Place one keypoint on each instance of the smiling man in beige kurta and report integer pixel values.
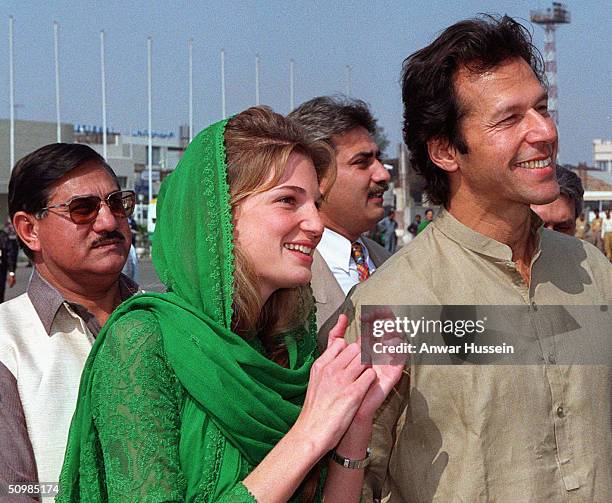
(478, 128)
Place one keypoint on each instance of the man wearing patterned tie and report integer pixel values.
(354, 204)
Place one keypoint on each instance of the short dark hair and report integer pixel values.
(34, 174)
(327, 116)
(431, 105)
(570, 185)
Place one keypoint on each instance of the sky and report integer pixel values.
(322, 37)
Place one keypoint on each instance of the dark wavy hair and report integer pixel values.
(570, 185)
(431, 105)
(35, 174)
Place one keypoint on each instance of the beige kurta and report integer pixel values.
(484, 433)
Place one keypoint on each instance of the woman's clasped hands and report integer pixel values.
(343, 393)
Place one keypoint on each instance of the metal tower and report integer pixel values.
(550, 18)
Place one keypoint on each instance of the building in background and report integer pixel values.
(597, 186)
(602, 155)
(126, 154)
(29, 136)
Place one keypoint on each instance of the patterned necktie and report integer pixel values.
(362, 265)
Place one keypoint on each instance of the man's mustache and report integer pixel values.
(107, 238)
(379, 187)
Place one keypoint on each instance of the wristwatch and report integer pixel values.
(11, 274)
(352, 464)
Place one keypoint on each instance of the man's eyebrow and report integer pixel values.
(90, 194)
(74, 196)
(366, 154)
(517, 107)
(543, 97)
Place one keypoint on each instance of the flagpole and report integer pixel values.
(190, 44)
(57, 80)
(349, 81)
(103, 78)
(223, 114)
(150, 122)
(291, 89)
(11, 95)
(257, 79)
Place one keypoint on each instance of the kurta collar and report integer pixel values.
(479, 243)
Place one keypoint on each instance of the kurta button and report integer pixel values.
(560, 412)
(534, 306)
(551, 359)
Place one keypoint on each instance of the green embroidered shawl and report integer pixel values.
(252, 400)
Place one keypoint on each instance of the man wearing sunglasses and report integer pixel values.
(71, 219)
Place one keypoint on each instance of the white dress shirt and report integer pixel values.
(336, 251)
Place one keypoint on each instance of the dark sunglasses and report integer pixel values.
(84, 209)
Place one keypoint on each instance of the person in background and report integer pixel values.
(412, 230)
(134, 229)
(414, 227)
(606, 229)
(355, 202)
(565, 213)
(581, 226)
(388, 225)
(429, 214)
(130, 269)
(71, 220)
(596, 237)
(8, 258)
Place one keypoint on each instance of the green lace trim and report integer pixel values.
(212, 459)
(227, 228)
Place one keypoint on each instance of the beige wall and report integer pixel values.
(29, 135)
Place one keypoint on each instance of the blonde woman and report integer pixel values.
(213, 391)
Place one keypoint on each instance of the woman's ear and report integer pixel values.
(26, 227)
(443, 154)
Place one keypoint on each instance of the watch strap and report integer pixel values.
(352, 464)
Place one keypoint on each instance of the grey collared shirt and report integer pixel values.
(17, 463)
(47, 301)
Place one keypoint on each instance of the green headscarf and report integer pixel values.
(252, 400)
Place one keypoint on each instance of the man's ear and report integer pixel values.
(26, 227)
(443, 154)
